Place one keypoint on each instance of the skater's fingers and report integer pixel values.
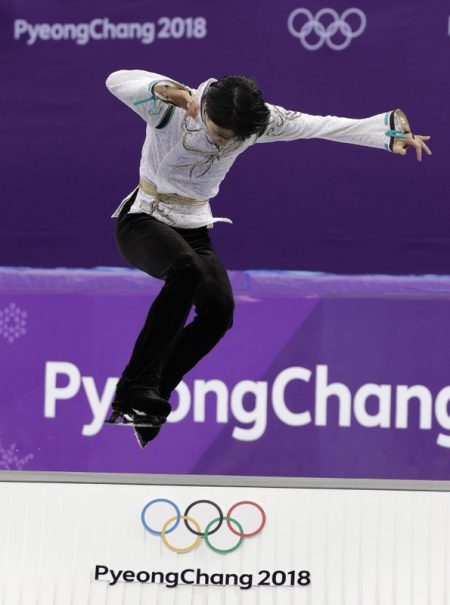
(401, 145)
(413, 142)
(424, 145)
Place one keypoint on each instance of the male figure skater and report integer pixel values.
(193, 136)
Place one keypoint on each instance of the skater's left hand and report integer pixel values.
(401, 146)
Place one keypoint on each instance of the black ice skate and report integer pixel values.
(139, 407)
(146, 434)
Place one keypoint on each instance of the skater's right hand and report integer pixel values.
(401, 145)
(180, 98)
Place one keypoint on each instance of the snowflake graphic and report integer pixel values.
(10, 460)
(13, 322)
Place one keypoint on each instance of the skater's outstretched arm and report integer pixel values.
(389, 130)
(151, 95)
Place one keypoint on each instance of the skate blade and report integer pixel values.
(139, 425)
(114, 417)
(138, 422)
(119, 419)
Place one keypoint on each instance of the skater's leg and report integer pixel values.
(161, 252)
(214, 307)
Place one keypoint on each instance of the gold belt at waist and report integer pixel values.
(151, 189)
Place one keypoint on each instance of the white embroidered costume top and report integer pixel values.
(179, 157)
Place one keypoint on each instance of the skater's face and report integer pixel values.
(220, 136)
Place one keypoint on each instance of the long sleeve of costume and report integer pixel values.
(135, 88)
(376, 131)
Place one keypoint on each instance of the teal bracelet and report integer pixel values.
(399, 134)
(154, 109)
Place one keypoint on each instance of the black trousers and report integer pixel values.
(166, 348)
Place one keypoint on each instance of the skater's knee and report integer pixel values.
(189, 266)
(222, 311)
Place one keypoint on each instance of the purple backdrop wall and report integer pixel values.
(70, 150)
(347, 378)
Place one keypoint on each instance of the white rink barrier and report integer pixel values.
(110, 540)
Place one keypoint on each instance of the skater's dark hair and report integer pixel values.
(236, 103)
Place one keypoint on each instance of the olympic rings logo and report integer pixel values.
(325, 33)
(193, 526)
